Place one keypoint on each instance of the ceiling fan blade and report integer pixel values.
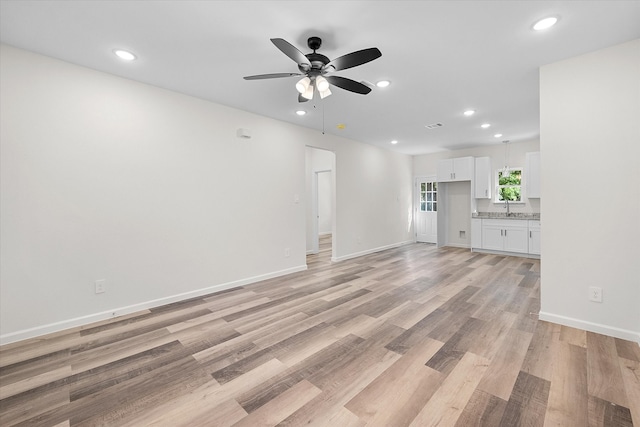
(291, 51)
(271, 76)
(348, 84)
(354, 59)
(301, 98)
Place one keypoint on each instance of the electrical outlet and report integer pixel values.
(595, 294)
(100, 286)
(287, 252)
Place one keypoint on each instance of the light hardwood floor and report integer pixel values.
(413, 336)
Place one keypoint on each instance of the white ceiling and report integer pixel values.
(442, 57)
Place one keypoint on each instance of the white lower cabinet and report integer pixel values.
(505, 235)
(534, 237)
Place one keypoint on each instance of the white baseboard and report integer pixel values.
(492, 252)
(121, 311)
(458, 245)
(611, 331)
(371, 251)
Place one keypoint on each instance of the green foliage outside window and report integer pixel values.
(510, 186)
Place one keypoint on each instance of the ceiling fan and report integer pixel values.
(317, 68)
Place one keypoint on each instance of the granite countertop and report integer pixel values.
(503, 215)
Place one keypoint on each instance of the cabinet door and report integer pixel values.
(516, 239)
(532, 171)
(492, 237)
(534, 237)
(483, 178)
(462, 169)
(445, 170)
(534, 242)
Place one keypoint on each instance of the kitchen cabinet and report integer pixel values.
(483, 178)
(534, 237)
(505, 235)
(458, 169)
(532, 175)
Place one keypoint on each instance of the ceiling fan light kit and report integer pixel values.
(308, 93)
(325, 93)
(317, 68)
(322, 84)
(303, 84)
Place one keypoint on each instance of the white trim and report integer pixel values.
(95, 317)
(611, 331)
(371, 251)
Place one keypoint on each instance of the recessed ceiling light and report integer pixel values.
(498, 135)
(485, 125)
(394, 142)
(301, 112)
(469, 112)
(125, 55)
(383, 83)
(545, 23)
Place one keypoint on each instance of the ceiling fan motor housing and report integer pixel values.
(317, 62)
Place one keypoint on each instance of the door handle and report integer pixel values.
(529, 234)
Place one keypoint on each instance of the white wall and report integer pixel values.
(458, 209)
(590, 148)
(427, 164)
(106, 178)
(325, 202)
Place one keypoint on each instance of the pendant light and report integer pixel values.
(505, 169)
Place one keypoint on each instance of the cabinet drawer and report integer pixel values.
(505, 222)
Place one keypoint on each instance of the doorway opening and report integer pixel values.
(321, 209)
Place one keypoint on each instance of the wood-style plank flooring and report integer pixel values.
(413, 336)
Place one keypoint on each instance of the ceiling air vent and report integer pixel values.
(434, 126)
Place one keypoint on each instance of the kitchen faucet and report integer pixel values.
(506, 201)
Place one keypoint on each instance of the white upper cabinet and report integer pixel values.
(459, 169)
(483, 178)
(532, 174)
